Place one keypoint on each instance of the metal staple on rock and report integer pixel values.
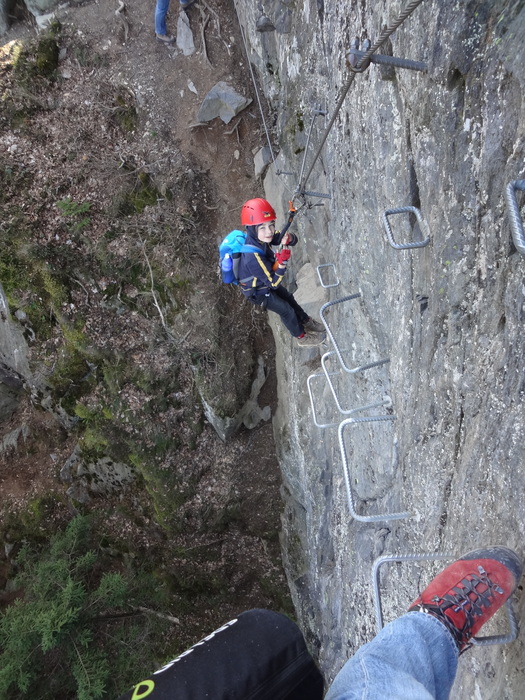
(382, 38)
(516, 225)
(390, 235)
(346, 472)
(477, 641)
(319, 274)
(349, 411)
(350, 370)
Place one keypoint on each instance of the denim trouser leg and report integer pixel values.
(161, 11)
(412, 658)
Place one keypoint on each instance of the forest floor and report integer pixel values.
(108, 61)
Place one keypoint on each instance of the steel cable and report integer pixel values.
(382, 38)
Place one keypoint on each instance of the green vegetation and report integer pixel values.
(77, 609)
(72, 210)
(143, 194)
(104, 287)
(124, 111)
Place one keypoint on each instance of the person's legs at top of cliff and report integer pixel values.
(415, 657)
(161, 10)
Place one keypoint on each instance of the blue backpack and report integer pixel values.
(230, 254)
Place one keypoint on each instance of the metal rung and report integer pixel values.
(327, 286)
(479, 641)
(388, 229)
(346, 472)
(327, 376)
(317, 194)
(310, 391)
(348, 412)
(350, 370)
(516, 224)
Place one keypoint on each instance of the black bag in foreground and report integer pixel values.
(260, 655)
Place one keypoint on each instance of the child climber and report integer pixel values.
(261, 273)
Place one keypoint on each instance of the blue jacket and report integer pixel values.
(256, 273)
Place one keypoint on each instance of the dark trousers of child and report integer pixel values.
(260, 655)
(280, 301)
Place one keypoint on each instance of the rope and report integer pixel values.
(382, 38)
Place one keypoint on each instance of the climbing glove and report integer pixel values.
(283, 256)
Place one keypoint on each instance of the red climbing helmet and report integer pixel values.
(257, 211)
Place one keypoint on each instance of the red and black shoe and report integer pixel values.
(468, 592)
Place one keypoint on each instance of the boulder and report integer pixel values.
(222, 101)
(185, 35)
(250, 415)
(89, 478)
(262, 159)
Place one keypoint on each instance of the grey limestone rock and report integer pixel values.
(5, 6)
(449, 316)
(184, 35)
(262, 159)
(222, 101)
(250, 415)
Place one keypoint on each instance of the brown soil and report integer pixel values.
(238, 488)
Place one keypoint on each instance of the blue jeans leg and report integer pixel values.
(161, 11)
(412, 658)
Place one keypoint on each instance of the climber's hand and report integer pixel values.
(283, 256)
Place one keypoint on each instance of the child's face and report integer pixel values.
(265, 232)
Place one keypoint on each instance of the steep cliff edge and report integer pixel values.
(449, 315)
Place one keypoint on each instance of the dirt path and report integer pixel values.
(160, 76)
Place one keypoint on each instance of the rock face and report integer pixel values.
(249, 415)
(14, 369)
(4, 16)
(449, 316)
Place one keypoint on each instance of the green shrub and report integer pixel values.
(65, 636)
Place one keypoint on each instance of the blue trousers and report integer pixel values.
(161, 10)
(412, 658)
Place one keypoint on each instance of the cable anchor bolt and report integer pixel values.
(355, 57)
